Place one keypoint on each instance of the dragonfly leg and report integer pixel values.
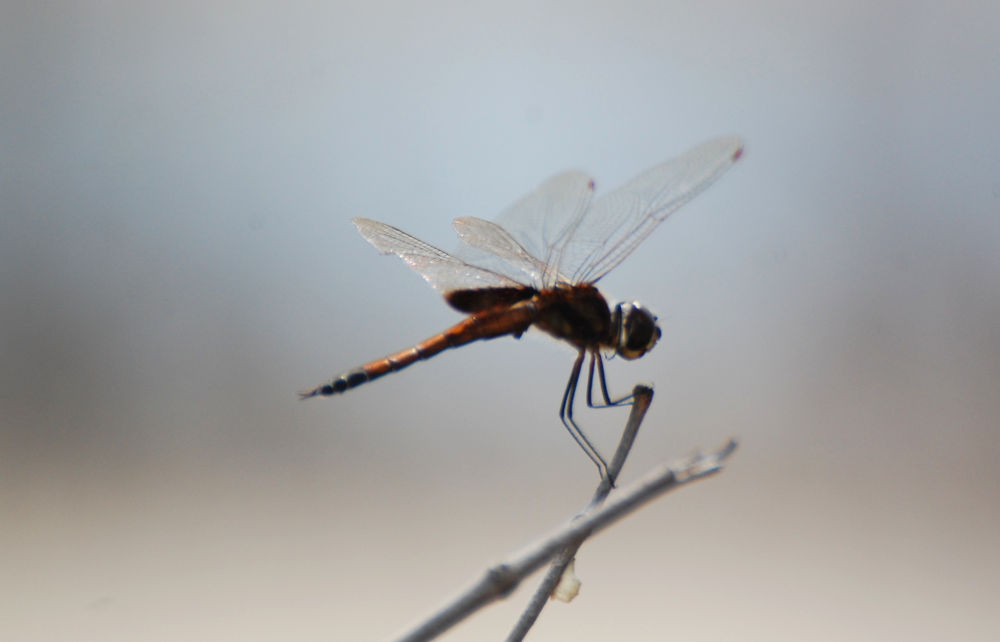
(608, 403)
(566, 415)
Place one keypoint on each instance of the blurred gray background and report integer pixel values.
(176, 261)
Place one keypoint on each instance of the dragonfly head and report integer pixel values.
(635, 330)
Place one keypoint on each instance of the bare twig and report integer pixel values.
(642, 397)
(503, 578)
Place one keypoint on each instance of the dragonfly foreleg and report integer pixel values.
(608, 403)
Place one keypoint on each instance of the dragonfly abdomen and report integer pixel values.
(484, 325)
(380, 367)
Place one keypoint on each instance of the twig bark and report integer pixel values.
(500, 580)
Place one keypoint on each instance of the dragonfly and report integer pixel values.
(537, 265)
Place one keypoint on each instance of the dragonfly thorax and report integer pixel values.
(635, 330)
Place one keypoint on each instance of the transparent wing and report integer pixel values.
(525, 234)
(443, 271)
(554, 234)
(602, 236)
(494, 240)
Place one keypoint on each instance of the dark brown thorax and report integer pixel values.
(578, 314)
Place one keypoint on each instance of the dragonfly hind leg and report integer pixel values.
(608, 403)
(566, 415)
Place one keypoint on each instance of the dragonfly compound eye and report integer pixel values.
(638, 332)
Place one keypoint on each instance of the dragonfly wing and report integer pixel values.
(443, 271)
(539, 219)
(619, 221)
(495, 241)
